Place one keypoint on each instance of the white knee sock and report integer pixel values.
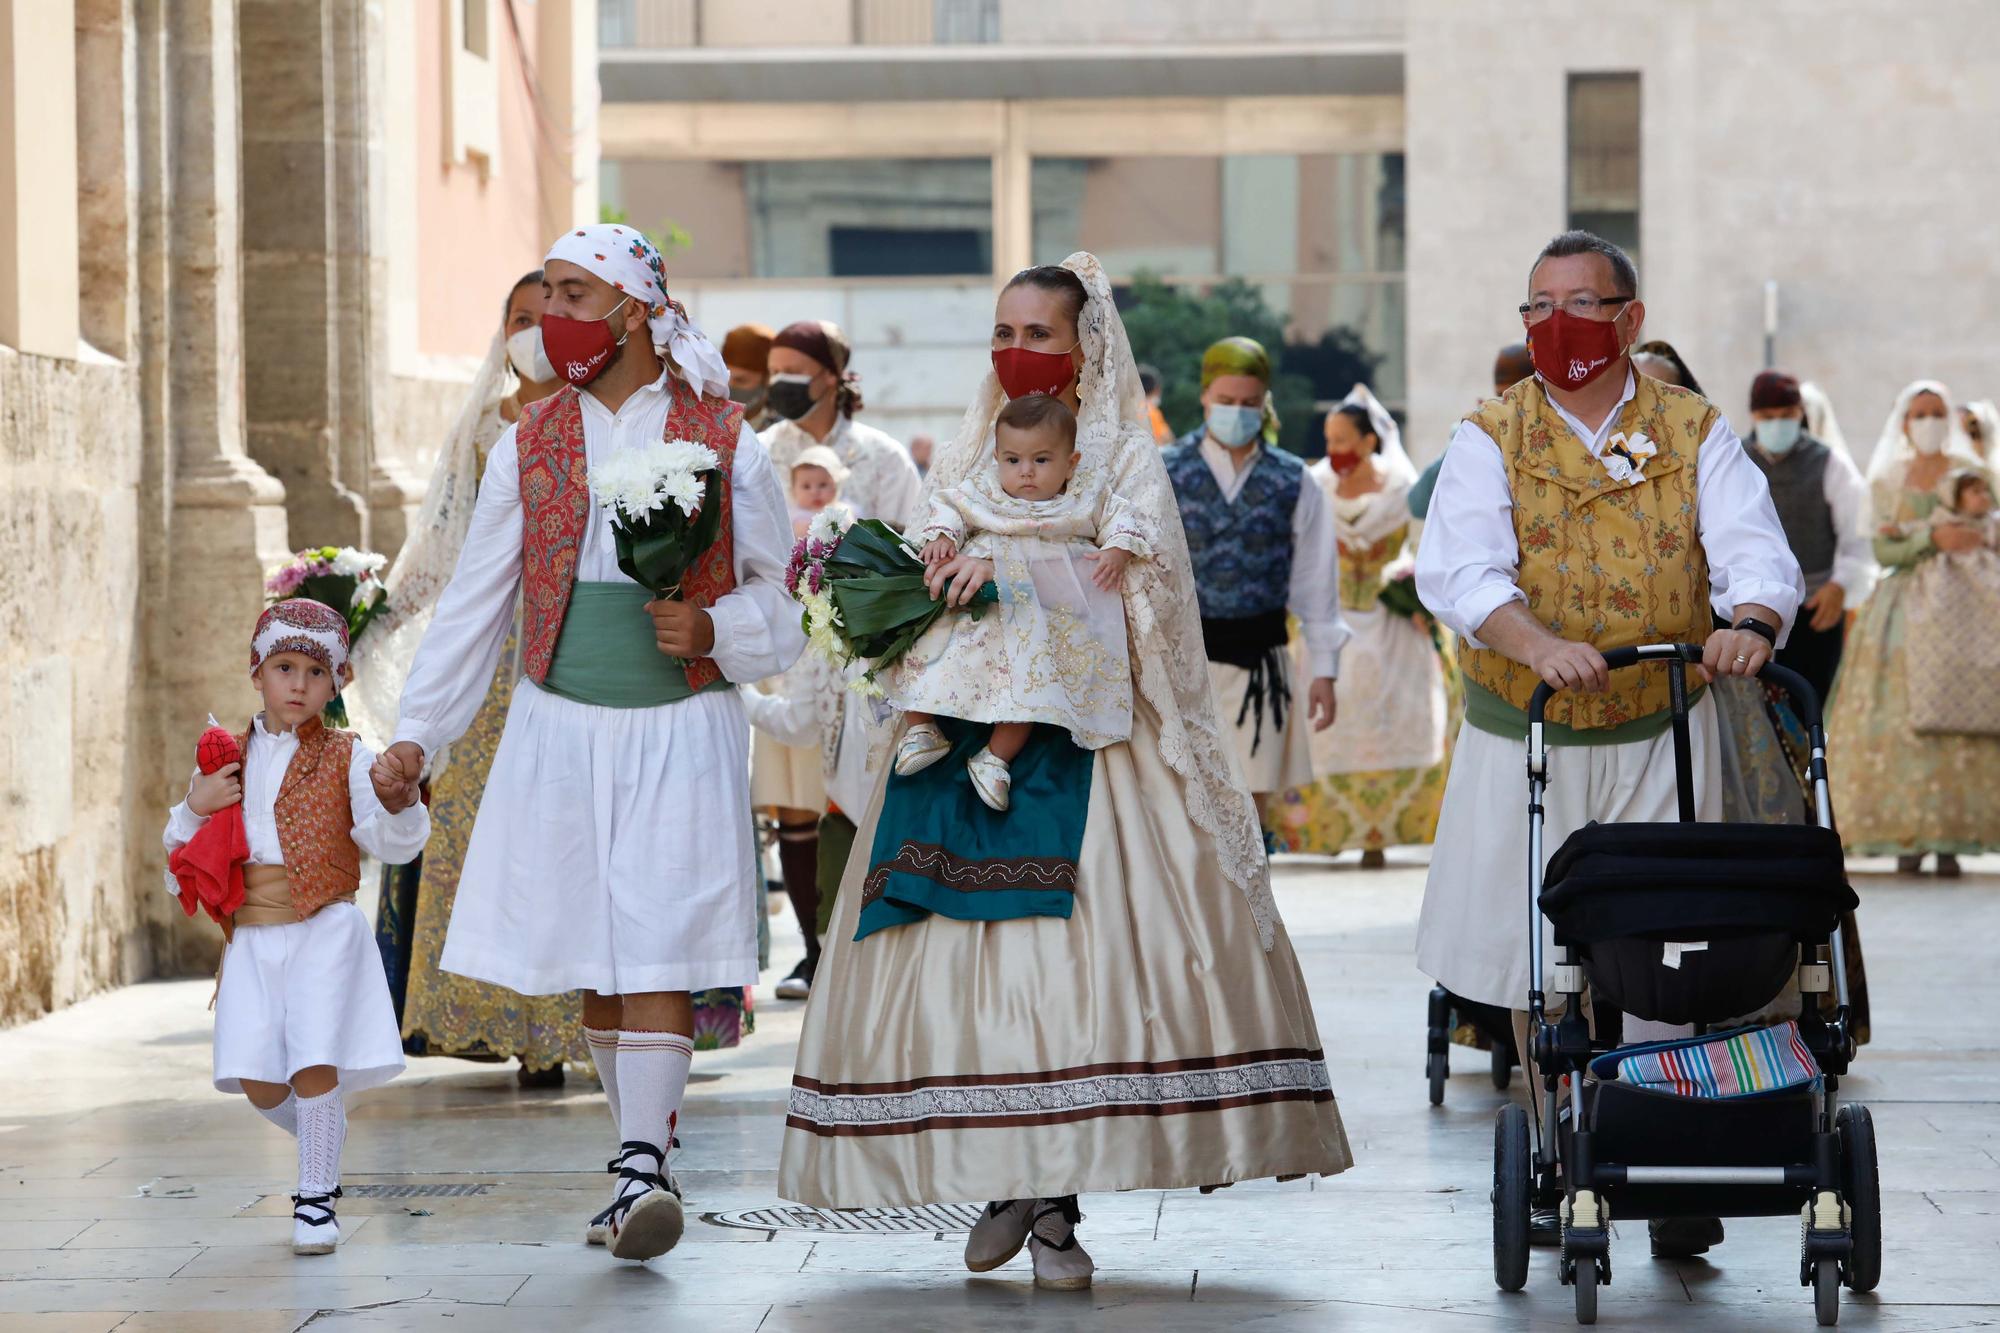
(603, 1043)
(322, 1131)
(285, 1115)
(652, 1079)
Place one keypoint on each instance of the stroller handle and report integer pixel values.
(1797, 687)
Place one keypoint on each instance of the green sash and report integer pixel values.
(1488, 712)
(608, 656)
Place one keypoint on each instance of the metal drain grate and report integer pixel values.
(928, 1220)
(414, 1191)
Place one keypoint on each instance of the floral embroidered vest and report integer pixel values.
(316, 818)
(1242, 550)
(1602, 562)
(556, 509)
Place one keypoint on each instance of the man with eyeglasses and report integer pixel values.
(1586, 508)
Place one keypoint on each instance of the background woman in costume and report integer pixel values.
(815, 394)
(1381, 766)
(443, 1013)
(1908, 785)
(1162, 998)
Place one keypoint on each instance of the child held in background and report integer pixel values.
(1061, 656)
(1968, 503)
(302, 1011)
(817, 477)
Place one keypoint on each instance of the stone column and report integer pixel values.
(360, 243)
(225, 516)
(293, 334)
(1013, 202)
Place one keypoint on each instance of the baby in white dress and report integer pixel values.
(1055, 649)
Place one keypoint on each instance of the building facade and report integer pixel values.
(1385, 166)
(247, 250)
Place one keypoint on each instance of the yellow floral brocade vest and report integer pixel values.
(1605, 562)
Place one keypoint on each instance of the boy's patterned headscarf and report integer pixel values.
(302, 625)
(623, 257)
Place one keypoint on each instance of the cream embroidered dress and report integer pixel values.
(1054, 648)
(1160, 1036)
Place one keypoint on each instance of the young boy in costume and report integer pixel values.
(302, 1011)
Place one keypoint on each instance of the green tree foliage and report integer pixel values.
(668, 238)
(1171, 327)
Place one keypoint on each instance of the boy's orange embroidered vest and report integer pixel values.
(1602, 562)
(556, 507)
(316, 818)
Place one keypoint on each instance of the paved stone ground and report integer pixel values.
(134, 1197)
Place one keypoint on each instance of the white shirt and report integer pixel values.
(797, 716)
(390, 839)
(757, 630)
(882, 481)
(1314, 596)
(1468, 561)
(1848, 501)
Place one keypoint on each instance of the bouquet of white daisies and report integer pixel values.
(665, 502)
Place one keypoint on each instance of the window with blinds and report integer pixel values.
(1604, 156)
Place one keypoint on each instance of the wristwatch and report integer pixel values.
(1759, 628)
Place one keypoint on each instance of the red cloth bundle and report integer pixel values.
(210, 868)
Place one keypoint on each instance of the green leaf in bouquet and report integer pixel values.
(882, 615)
(872, 547)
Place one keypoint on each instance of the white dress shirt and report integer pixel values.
(757, 630)
(391, 839)
(1468, 563)
(1314, 595)
(882, 480)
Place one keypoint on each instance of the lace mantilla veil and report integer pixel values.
(424, 566)
(1116, 451)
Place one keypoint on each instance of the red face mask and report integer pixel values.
(1023, 371)
(1343, 464)
(580, 348)
(1570, 351)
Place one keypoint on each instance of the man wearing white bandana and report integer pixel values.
(1587, 508)
(613, 851)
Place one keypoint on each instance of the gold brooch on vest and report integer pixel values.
(1625, 457)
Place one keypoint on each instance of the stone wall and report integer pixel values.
(1821, 143)
(70, 921)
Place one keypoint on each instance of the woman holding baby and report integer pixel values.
(1915, 725)
(1141, 1023)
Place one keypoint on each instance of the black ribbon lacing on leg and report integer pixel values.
(322, 1203)
(1064, 1208)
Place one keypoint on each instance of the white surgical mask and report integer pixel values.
(1777, 435)
(1927, 434)
(1233, 427)
(531, 360)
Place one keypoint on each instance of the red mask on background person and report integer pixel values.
(1570, 351)
(580, 348)
(1022, 371)
(1343, 464)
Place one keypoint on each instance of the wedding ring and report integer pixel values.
(1742, 657)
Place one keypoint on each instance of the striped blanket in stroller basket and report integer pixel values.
(1744, 1063)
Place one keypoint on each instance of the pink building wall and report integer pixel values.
(475, 237)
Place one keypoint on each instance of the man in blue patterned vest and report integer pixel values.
(1261, 537)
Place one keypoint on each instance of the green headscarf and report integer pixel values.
(1243, 356)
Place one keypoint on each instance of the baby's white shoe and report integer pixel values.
(923, 745)
(991, 778)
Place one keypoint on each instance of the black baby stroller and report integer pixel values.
(1687, 923)
(1493, 1025)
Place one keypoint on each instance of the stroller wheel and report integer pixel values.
(1861, 1191)
(1437, 1066)
(1826, 1292)
(1513, 1187)
(1586, 1291)
(1503, 1066)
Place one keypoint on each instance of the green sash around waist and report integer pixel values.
(608, 655)
(1488, 712)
